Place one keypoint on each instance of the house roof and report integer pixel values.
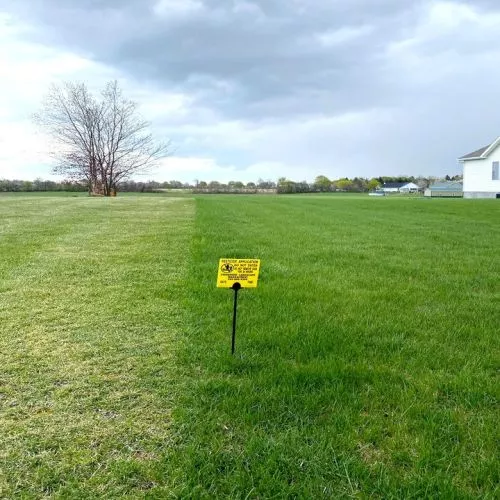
(394, 184)
(446, 186)
(481, 153)
(475, 154)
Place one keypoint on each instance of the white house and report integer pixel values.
(481, 172)
(399, 187)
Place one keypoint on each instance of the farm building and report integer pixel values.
(445, 190)
(399, 187)
(482, 172)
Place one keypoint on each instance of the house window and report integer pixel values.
(494, 171)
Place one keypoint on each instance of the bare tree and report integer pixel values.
(101, 141)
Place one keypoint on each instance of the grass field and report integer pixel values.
(367, 359)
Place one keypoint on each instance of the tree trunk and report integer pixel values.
(96, 188)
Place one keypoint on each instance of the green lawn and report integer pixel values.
(90, 304)
(367, 359)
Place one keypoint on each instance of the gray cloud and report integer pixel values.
(282, 61)
(273, 57)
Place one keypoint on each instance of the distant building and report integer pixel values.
(399, 187)
(449, 189)
(482, 172)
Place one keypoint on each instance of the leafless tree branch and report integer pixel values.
(102, 141)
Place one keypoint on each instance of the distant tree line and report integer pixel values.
(321, 184)
(39, 185)
(132, 186)
(212, 187)
(355, 185)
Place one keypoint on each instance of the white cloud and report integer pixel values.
(176, 8)
(188, 169)
(450, 16)
(26, 71)
(159, 105)
(450, 22)
(26, 68)
(449, 41)
(245, 7)
(332, 145)
(342, 35)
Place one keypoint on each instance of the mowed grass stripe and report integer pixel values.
(19, 240)
(367, 359)
(89, 302)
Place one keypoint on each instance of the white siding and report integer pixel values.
(477, 177)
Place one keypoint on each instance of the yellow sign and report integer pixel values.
(242, 271)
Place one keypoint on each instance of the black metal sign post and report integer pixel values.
(237, 274)
(235, 287)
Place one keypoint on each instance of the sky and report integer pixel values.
(249, 89)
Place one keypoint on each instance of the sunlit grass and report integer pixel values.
(366, 365)
(367, 359)
(89, 301)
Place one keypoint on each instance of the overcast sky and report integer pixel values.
(249, 89)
